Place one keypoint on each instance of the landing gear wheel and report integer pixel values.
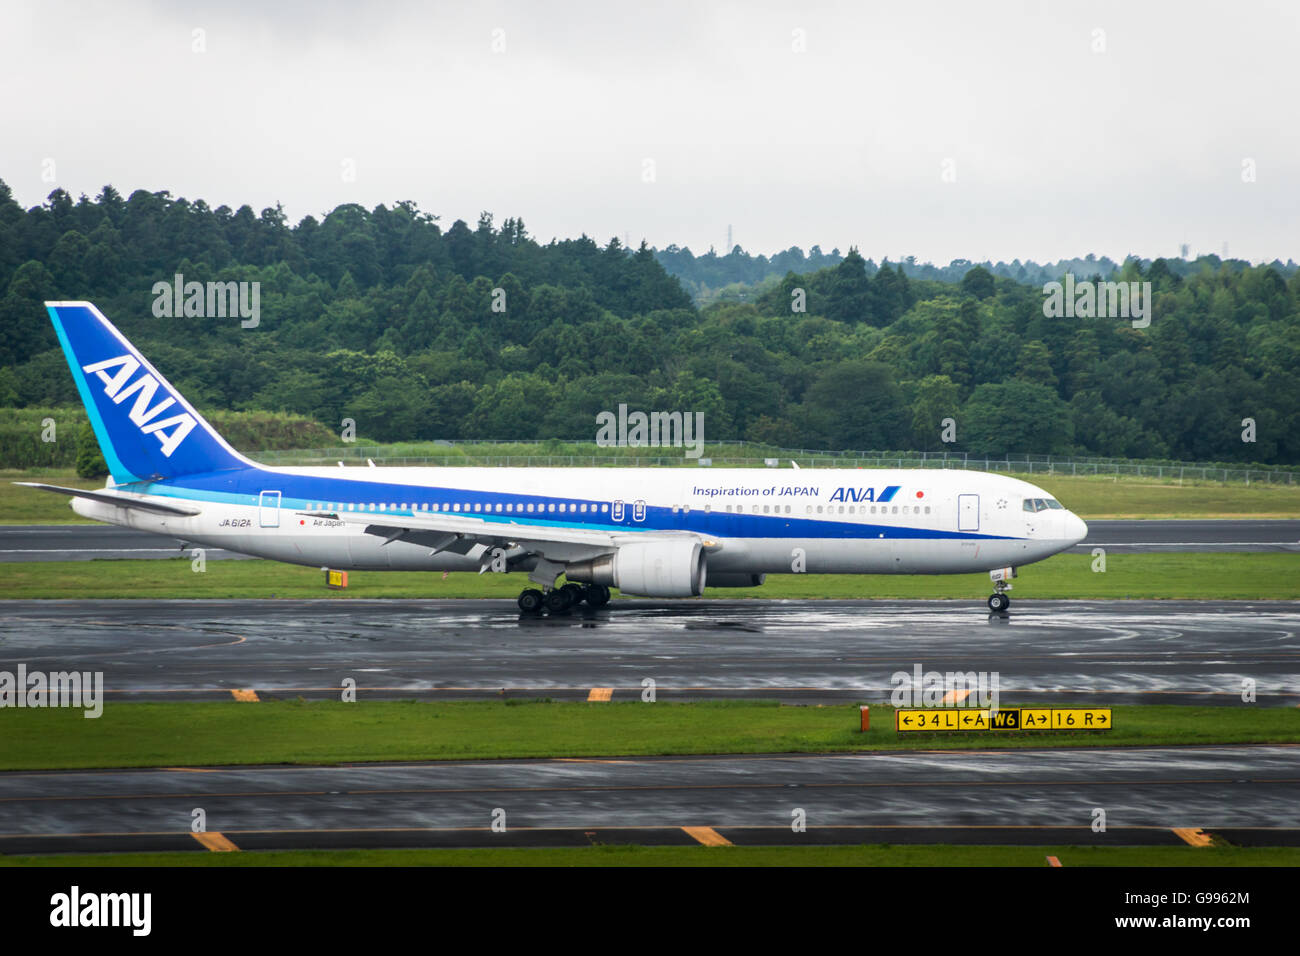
(558, 600)
(576, 593)
(530, 601)
(597, 595)
(999, 602)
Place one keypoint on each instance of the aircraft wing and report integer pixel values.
(462, 534)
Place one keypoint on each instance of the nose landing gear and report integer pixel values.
(998, 600)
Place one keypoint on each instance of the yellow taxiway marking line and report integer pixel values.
(1192, 835)
(600, 693)
(245, 695)
(215, 841)
(707, 835)
(1053, 861)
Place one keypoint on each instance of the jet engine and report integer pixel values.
(672, 568)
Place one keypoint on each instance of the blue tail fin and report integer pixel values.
(145, 428)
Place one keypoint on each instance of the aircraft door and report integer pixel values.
(268, 509)
(968, 512)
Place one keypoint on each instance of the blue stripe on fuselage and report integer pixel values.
(243, 486)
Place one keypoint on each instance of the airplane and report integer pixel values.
(652, 532)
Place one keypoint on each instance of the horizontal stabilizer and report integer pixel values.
(114, 498)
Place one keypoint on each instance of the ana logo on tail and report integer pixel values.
(143, 388)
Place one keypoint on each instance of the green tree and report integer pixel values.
(937, 397)
(90, 460)
(1016, 417)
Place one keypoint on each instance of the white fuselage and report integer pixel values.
(842, 521)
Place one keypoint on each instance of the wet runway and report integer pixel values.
(1249, 795)
(89, 542)
(1063, 652)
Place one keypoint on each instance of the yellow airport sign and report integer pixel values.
(1077, 718)
(931, 719)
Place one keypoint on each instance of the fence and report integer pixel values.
(805, 458)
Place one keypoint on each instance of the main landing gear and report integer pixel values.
(998, 600)
(564, 598)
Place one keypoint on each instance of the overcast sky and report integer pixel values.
(940, 130)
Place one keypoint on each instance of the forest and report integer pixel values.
(419, 330)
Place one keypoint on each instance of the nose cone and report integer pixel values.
(1076, 529)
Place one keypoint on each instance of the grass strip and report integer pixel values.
(866, 855)
(1257, 576)
(214, 733)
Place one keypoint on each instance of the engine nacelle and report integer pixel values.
(648, 569)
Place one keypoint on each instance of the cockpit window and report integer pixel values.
(1042, 504)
